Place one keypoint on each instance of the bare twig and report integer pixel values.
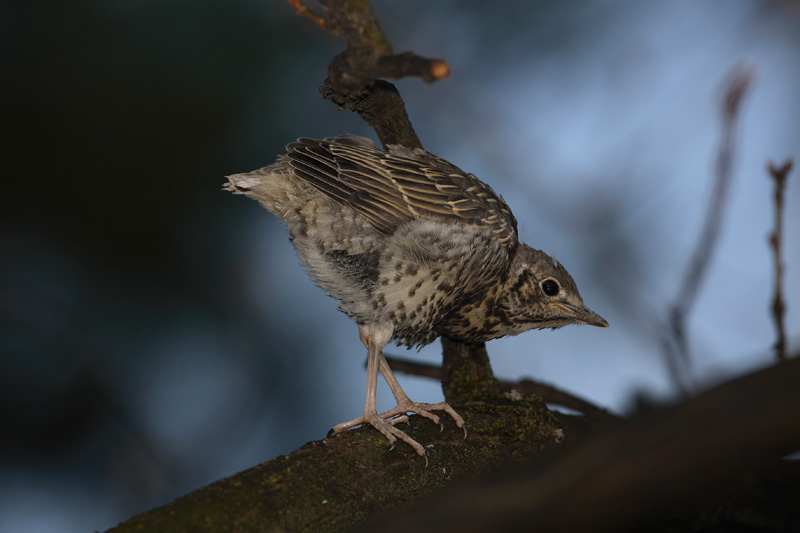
(527, 387)
(301, 9)
(674, 342)
(555, 396)
(779, 176)
(415, 368)
(353, 76)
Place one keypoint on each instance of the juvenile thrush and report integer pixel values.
(414, 248)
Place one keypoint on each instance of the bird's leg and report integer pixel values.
(370, 405)
(405, 405)
(375, 338)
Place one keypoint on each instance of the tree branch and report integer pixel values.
(340, 482)
(640, 470)
(353, 83)
(634, 471)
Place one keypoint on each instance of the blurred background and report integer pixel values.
(157, 333)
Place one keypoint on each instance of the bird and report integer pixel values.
(414, 249)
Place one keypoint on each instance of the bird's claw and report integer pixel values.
(385, 422)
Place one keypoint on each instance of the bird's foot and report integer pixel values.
(385, 422)
(386, 427)
(424, 410)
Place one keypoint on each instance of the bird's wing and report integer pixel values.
(390, 188)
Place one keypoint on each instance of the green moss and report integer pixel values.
(345, 480)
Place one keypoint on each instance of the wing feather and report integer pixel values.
(391, 188)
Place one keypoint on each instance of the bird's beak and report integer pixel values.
(582, 315)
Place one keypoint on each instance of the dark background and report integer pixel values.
(157, 333)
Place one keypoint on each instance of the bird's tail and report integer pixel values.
(273, 186)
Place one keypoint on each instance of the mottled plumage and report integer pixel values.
(414, 248)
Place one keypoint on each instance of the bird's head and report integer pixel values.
(539, 293)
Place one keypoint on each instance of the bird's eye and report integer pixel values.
(550, 287)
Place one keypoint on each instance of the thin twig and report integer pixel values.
(301, 9)
(526, 387)
(369, 57)
(675, 341)
(779, 176)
